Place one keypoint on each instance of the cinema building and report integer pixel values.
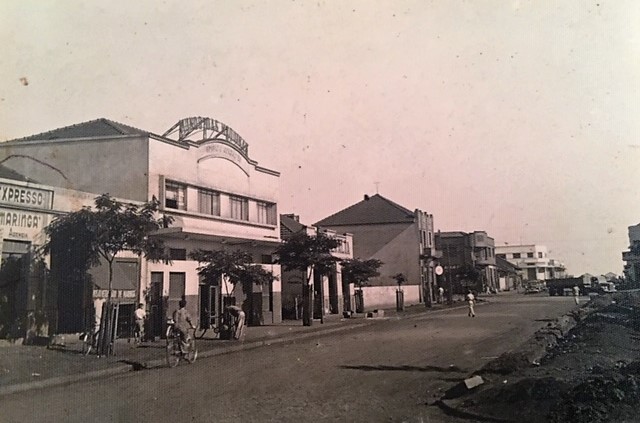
(201, 172)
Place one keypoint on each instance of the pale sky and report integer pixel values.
(518, 118)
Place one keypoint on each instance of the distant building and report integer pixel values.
(336, 291)
(201, 172)
(533, 260)
(461, 250)
(632, 257)
(508, 275)
(402, 239)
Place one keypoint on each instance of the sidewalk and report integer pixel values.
(24, 368)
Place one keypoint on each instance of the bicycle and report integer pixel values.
(176, 349)
(89, 341)
(200, 332)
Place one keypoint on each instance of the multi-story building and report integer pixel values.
(462, 250)
(335, 294)
(402, 239)
(632, 257)
(29, 302)
(533, 260)
(201, 172)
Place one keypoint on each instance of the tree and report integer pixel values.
(358, 272)
(308, 254)
(400, 279)
(236, 266)
(88, 236)
(468, 275)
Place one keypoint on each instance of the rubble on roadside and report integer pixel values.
(583, 367)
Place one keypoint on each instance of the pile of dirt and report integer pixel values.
(590, 373)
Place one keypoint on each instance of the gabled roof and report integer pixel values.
(7, 173)
(505, 265)
(289, 226)
(372, 210)
(95, 128)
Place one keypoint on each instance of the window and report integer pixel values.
(209, 202)
(178, 254)
(175, 196)
(266, 213)
(530, 255)
(502, 256)
(539, 255)
(540, 269)
(239, 208)
(516, 255)
(430, 240)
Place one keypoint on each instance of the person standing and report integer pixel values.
(576, 294)
(140, 315)
(440, 295)
(238, 321)
(471, 300)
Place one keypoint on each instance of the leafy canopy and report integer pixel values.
(87, 235)
(237, 266)
(302, 251)
(359, 271)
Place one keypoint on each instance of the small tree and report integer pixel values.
(236, 266)
(358, 272)
(88, 236)
(400, 279)
(308, 254)
(467, 276)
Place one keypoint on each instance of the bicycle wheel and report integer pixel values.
(87, 343)
(192, 351)
(173, 352)
(199, 333)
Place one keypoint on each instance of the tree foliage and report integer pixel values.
(358, 271)
(468, 273)
(302, 252)
(236, 266)
(84, 237)
(400, 279)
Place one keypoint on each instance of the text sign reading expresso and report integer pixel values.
(16, 195)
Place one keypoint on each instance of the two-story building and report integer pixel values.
(533, 260)
(462, 250)
(402, 239)
(201, 172)
(332, 294)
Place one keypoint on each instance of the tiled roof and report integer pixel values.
(505, 265)
(95, 128)
(371, 210)
(7, 173)
(289, 226)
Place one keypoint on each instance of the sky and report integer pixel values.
(513, 117)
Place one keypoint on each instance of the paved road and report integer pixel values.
(387, 372)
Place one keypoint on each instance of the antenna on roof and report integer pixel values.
(377, 184)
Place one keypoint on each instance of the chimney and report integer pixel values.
(366, 197)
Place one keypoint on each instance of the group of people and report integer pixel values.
(183, 323)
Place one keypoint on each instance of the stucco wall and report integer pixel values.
(385, 296)
(116, 166)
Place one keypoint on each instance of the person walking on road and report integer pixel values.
(471, 300)
(576, 294)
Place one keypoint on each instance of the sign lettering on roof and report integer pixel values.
(226, 152)
(16, 195)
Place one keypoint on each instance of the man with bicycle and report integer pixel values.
(182, 324)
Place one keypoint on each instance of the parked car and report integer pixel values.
(532, 289)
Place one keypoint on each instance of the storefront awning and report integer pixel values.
(196, 235)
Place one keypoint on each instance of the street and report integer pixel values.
(389, 371)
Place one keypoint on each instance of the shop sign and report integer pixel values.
(16, 195)
(225, 152)
(22, 225)
(115, 293)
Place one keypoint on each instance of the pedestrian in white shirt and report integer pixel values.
(471, 300)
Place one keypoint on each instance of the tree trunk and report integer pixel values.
(307, 301)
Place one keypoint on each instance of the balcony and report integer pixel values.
(486, 261)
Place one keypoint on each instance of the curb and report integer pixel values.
(159, 363)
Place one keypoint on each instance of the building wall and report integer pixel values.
(378, 297)
(537, 267)
(117, 166)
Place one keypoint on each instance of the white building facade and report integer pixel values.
(201, 172)
(533, 260)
